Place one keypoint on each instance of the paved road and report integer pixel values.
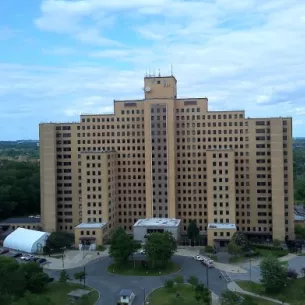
(110, 285)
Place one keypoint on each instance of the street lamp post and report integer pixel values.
(207, 275)
(250, 263)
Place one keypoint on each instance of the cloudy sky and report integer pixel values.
(61, 58)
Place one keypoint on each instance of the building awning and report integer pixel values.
(87, 238)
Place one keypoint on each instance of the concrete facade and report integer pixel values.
(169, 157)
(143, 227)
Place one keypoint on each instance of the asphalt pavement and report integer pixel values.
(109, 285)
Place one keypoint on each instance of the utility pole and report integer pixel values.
(84, 276)
(207, 275)
(250, 269)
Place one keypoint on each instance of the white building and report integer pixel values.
(25, 240)
(149, 225)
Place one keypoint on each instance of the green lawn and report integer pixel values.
(276, 253)
(57, 292)
(137, 269)
(161, 296)
(293, 292)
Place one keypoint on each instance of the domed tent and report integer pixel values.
(25, 240)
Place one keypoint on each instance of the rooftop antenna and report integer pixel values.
(171, 70)
(159, 73)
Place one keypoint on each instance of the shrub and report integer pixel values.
(292, 274)
(169, 284)
(209, 249)
(179, 279)
(251, 254)
(100, 248)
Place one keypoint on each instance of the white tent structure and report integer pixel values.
(25, 240)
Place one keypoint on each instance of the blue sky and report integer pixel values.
(59, 59)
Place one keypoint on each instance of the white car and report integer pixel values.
(198, 257)
(25, 258)
(142, 251)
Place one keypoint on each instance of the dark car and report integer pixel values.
(41, 260)
(17, 255)
(3, 251)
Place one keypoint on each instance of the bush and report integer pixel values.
(209, 249)
(251, 254)
(292, 274)
(100, 248)
(169, 284)
(266, 247)
(179, 279)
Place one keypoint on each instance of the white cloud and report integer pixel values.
(242, 54)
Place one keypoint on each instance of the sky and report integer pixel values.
(61, 58)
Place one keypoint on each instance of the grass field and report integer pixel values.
(136, 268)
(57, 292)
(292, 293)
(162, 295)
(258, 301)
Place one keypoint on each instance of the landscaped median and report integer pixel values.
(143, 268)
(293, 293)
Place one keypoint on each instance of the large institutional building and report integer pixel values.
(168, 157)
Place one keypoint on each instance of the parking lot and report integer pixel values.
(23, 257)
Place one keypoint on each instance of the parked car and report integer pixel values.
(3, 251)
(16, 255)
(41, 260)
(25, 258)
(207, 262)
(35, 259)
(198, 257)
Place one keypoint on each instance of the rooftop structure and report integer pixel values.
(157, 222)
(90, 225)
(225, 226)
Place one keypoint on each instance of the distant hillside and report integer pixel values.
(22, 150)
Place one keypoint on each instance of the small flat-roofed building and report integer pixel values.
(149, 225)
(90, 234)
(220, 234)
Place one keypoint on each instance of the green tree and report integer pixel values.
(203, 295)
(12, 280)
(122, 246)
(240, 239)
(229, 298)
(58, 241)
(193, 280)
(299, 231)
(35, 279)
(234, 249)
(193, 231)
(169, 284)
(64, 276)
(160, 247)
(273, 274)
(80, 276)
(35, 299)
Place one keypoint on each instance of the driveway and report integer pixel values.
(109, 285)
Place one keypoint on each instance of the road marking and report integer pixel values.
(226, 276)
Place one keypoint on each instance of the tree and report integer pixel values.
(35, 299)
(160, 247)
(64, 276)
(12, 280)
(248, 301)
(240, 239)
(229, 298)
(299, 231)
(193, 280)
(80, 276)
(122, 246)
(169, 284)
(276, 243)
(193, 231)
(35, 279)
(234, 249)
(58, 241)
(273, 274)
(203, 294)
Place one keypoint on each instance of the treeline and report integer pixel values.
(13, 149)
(19, 189)
(299, 174)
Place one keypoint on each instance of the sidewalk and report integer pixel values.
(74, 259)
(229, 268)
(234, 287)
